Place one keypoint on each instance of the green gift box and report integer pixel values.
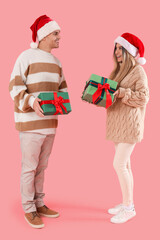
(99, 91)
(55, 103)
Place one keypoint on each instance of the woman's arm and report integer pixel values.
(140, 96)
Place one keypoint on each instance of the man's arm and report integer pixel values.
(62, 83)
(18, 88)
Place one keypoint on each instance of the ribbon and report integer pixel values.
(57, 102)
(97, 95)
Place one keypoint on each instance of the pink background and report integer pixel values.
(80, 181)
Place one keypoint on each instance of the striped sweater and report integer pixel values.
(34, 72)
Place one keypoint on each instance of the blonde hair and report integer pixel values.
(120, 71)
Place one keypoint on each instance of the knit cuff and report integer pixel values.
(31, 101)
(121, 92)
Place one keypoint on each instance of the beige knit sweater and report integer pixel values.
(125, 118)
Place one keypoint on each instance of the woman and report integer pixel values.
(125, 118)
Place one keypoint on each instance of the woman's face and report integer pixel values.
(118, 53)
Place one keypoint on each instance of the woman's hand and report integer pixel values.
(116, 93)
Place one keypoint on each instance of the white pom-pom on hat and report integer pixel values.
(34, 45)
(141, 60)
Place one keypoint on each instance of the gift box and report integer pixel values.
(55, 103)
(99, 91)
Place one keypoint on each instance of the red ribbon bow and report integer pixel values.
(57, 102)
(98, 93)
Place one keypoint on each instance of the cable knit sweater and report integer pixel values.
(125, 118)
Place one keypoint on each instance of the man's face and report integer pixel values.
(53, 39)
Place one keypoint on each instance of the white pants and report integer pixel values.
(36, 149)
(122, 166)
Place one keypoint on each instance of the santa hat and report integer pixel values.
(42, 27)
(133, 45)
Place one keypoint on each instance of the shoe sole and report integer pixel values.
(123, 221)
(32, 225)
(49, 216)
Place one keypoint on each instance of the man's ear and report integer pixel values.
(44, 39)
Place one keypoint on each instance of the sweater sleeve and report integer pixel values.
(140, 96)
(18, 88)
(62, 83)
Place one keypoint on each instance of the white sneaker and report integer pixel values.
(115, 209)
(123, 216)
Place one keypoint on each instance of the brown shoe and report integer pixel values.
(34, 220)
(46, 212)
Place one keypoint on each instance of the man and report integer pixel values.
(36, 70)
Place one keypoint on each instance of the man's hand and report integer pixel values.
(38, 110)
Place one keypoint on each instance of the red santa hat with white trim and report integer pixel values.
(42, 27)
(133, 45)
